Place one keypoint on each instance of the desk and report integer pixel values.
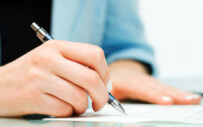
(11, 122)
(19, 122)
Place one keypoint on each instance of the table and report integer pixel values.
(18, 122)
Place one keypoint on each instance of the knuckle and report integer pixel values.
(33, 73)
(39, 59)
(44, 54)
(99, 51)
(98, 54)
(92, 78)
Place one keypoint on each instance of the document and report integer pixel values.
(143, 113)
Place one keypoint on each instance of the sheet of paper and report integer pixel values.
(142, 113)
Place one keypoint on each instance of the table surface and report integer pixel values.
(14, 122)
(20, 122)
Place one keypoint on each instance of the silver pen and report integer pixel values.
(44, 36)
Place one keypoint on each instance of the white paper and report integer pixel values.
(142, 113)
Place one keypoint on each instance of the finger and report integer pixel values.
(54, 107)
(149, 94)
(86, 54)
(83, 77)
(155, 97)
(68, 92)
(181, 97)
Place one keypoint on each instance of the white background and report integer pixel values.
(175, 29)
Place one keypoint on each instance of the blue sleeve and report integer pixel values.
(124, 36)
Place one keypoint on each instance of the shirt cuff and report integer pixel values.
(134, 54)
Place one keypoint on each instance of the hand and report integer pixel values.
(53, 79)
(131, 81)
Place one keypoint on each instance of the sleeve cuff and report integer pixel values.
(134, 54)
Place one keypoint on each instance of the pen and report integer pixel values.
(44, 36)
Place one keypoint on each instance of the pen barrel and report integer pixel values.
(111, 98)
(43, 35)
(46, 38)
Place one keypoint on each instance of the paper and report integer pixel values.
(142, 113)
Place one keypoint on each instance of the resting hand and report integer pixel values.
(131, 81)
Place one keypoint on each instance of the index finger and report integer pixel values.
(87, 55)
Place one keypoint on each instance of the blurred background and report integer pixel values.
(175, 29)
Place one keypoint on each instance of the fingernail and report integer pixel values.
(166, 98)
(192, 96)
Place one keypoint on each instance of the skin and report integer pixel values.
(54, 79)
(131, 81)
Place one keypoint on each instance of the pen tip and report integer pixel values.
(115, 103)
(118, 107)
(123, 111)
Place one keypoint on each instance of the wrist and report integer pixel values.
(129, 65)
